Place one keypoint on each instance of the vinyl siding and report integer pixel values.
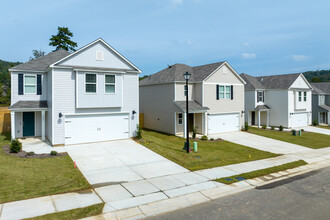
(278, 102)
(224, 75)
(250, 104)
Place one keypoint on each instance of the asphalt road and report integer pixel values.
(303, 197)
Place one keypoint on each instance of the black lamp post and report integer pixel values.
(187, 77)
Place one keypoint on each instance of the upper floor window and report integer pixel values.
(30, 84)
(224, 92)
(261, 96)
(110, 84)
(180, 118)
(299, 96)
(90, 83)
(322, 98)
(305, 96)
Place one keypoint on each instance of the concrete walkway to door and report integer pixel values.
(260, 142)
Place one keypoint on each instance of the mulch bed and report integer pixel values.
(24, 154)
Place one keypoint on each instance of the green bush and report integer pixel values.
(53, 153)
(138, 132)
(15, 146)
(211, 139)
(281, 128)
(30, 153)
(315, 123)
(264, 127)
(302, 130)
(246, 126)
(273, 128)
(204, 138)
(194, 133)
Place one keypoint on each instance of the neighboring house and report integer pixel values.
(321, 102)
(216, 99)
(278, 100)
(86, 96)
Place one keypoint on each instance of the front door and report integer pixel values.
(191, 122)
(253, 116)
(28, 124)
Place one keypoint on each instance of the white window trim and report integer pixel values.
(224, 91)
(262, 96)
(179, 119)
(106, 93)
(35, 76)
(100, 52)
(90, 93)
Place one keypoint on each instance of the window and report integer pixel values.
(110, 84)
(305, 96)
(180, 118)
(299, 96)
(99, 55)
(224, 92)
(90, 83)
(30, 84)
(322, 98)
(185, 90)
(260, 96)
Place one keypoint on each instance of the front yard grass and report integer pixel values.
(263, 172)
(307, 139)
(323, 126)
(23, 178)
(210, 153)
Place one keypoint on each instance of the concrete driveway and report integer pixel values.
(316, 130)
(260, 142)
(120, 161)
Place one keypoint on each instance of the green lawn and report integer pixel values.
(323, 126)
(210, 153)
(23, 178)
(263, 172)
(73, 214)
(307, 139)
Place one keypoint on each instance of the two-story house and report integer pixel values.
(216, 99)
(69, 98)
(321, 102)
(278, 100)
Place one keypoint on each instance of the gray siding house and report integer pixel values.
(216, 99)
(278, 100)
(321, 102)
(70, 98)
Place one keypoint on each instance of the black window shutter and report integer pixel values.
(39, 88)
(20, 84)
(217, 92)
(232, 92)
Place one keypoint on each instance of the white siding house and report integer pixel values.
(89, 95)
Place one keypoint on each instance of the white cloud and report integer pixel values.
(299, 58)
(246, 44)
(248, 56)
(188, 42)
(177, 1)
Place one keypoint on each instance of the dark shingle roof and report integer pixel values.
(42, 63)
(193, 106)
(270, 82)
(175, 73)
(29, 104)
(325, 107)
(261, 107)
(321, 88)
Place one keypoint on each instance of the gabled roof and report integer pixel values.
(321, 88)
(42, 63)
(29, 105)
(175, 73)
(270, 82)
(193, 106)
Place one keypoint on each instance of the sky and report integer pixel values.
(257, 37)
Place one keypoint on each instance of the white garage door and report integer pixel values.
(91, 128)
(299, 120)
(218, 123)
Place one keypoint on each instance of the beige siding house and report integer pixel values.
(215, 93)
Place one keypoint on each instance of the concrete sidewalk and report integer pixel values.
(316, 130)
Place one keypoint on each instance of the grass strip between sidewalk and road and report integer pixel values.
(73, 213)
(210, 153)
(263, 172)
(307, 139)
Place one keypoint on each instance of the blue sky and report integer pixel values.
(255, 37)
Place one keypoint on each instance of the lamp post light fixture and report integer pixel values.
(187, 145)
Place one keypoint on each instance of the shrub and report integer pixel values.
(264, 127)
(281, 128)
(273, 128)
(302, 130)
(53, 153)
(246, 126)
(315, 122)
(30, 153)
(204, 138)
(138, 132)
(194, 133)
(15, 146)
(211, 139)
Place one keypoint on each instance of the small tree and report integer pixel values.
(246, 126)
(138, 132)
(315, 122)
(36, 54)
(63, 40)
(15, 146)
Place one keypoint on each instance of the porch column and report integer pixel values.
(185, 125)
(43, 125)
(205, 124)
(258, 119)
(12, 121)
(268, 118)
(328, 118)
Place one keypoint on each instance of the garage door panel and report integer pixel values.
(91, 128)
(299, 120)
(218, 123)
